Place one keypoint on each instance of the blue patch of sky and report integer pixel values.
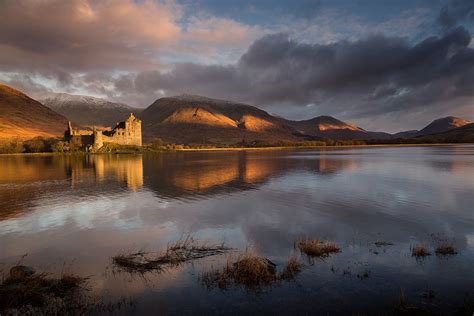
(268, 12)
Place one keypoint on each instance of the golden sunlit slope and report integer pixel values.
(23, 117)
(195, 119)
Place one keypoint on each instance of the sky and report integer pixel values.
(382, 65)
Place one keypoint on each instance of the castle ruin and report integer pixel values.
(128, 132)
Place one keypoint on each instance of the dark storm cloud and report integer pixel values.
(455, 12)
(370, 77)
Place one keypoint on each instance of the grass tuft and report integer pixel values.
(317, 247)
(420, 251)
(248, 270)
(445, 249)
(291, 269)
(38, 293)
(183, 250)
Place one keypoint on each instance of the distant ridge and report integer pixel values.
(443, 125)
(193, 119)
(88, 111)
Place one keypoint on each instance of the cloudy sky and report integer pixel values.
(383, 65)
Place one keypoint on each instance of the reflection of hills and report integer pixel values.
(26, 179)
(184, 174)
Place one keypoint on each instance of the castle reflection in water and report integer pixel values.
(126, 169)
(26, 180)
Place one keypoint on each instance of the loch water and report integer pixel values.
(75, 212)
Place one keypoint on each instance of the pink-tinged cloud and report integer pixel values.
(81, 35)
(88, 35)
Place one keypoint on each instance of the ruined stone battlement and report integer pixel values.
(128, 132)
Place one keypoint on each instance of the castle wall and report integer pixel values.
(128, 132)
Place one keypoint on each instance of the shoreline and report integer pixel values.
(271, 148)
(317, 147)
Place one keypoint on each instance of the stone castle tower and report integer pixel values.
(128, 132)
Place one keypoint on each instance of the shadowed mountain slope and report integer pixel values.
(23, 117)
(442, 125)
(463, 134)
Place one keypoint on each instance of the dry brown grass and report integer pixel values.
(317, 247)
(175, 254)
(420, 251)
(291, 269)
(252, 272)
(42, 294)
(248, 270)
(445, 249)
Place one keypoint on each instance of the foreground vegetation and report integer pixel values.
(23, 291)
(181, 251)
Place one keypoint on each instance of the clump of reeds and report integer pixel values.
(248, 270)
(445, 249)
(420, 251)
(291, 269)
(317, 247)
(39, 293)
(175, 254)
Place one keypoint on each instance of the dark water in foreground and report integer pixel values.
(83, 210)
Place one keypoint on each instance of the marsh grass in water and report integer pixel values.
(247, 269)
(292, 268)
(250, 271)
(445, 249)
(317, 247)
(24, 291)
(420, 251)
(181, 251)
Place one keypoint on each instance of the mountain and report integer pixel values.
(462, 134)
(88, 111)
(23, 117)
(330, 127)
(196, 119)
(443, 125)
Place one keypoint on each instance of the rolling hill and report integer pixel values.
(443, 125)
(330, 127)
(197, 119)
(88, 111)
(23, 117)
(462, 134)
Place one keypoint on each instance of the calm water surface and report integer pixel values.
(80, 211)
